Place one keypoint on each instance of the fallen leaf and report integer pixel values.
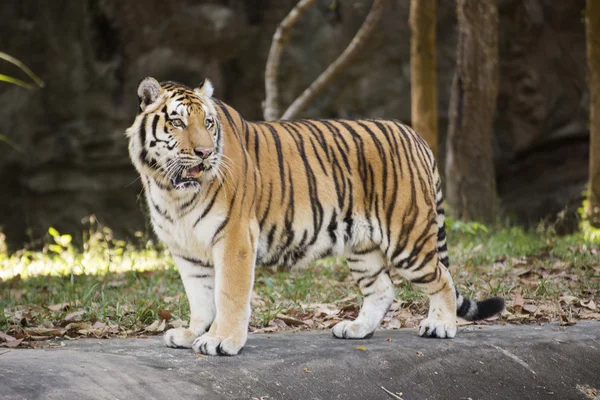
(74, 316)
(530, 308)
(59, 307)
(6, 338)
(307, 370)
(12, 343)
(591, 305)
(82, 328)
(361, 348)
(156, 326)
(389, 339)
(568, 299)
(419, 354)
(290, 320)
(45, 331)
(165, 314)
(98, 325)
(177, 323)
(519, 301)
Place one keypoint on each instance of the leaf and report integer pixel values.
(14, 81)
(23, 68)
(307, 370)
(53, 232)
(591, 305)
(40, 331)
(290, 320)
(519, 301)
(156, 326)
(74, 316)
(419, 354)
(59, 307)
(394, 324)
(361, 348)
(568, 299)
(79, 327)
(177, 323)
(12, 343)
(6, 337)
(530, 308)
(165, 314)
(389, 339)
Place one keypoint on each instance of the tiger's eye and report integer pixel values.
(177, 123)
(209, 121)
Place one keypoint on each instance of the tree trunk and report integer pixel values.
(592, 22)
(424, 111)
(471, 181)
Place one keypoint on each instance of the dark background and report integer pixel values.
(72, 158)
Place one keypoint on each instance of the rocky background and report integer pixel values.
(71, 158)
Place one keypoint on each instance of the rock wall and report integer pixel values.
(72, 157)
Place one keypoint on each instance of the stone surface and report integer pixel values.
(73, 158)
(489, 362)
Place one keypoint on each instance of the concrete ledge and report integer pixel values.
(489, 362)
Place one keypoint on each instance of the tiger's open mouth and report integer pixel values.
(188, 177)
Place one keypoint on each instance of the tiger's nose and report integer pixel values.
(203, 152)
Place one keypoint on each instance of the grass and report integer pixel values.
(110, 287)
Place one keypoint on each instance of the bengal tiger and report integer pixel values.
(226, 194)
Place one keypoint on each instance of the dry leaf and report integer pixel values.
(389, 339)
(591, 305)
(74, 316)
(530, 308)
(6, 337)
(290, 320)
(361, 348)
(394, 324)
(568, 299)
(165, 314)
(12, 343)
(59, 307)
(177, 323)
(156, 326)
(419, 354)
(307, 370)
(40, 331)
(519, 301)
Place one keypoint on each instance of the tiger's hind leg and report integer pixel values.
(433, 278)
(370, 272)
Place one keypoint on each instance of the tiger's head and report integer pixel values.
(176, 138)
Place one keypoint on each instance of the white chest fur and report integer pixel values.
(185, 233)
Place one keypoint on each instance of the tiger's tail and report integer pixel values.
(465, 308)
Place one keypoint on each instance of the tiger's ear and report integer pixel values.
(148, 91)
(205, 89)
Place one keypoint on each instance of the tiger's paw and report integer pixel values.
(213, 345)
(352, 330)
(437, 328)
(179, 338)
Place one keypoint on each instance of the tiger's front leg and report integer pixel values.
(198, 279)
(235, 256)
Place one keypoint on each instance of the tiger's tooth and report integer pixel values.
(184, 174)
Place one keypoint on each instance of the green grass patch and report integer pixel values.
(126, 285)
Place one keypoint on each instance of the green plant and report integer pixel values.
(15, 81)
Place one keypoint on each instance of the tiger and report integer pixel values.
(225, 195)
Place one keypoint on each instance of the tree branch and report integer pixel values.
(340, 63)
(271, 109)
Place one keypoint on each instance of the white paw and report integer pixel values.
(352, 330)
(213, 345)
(437, 328)
(179, 337)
